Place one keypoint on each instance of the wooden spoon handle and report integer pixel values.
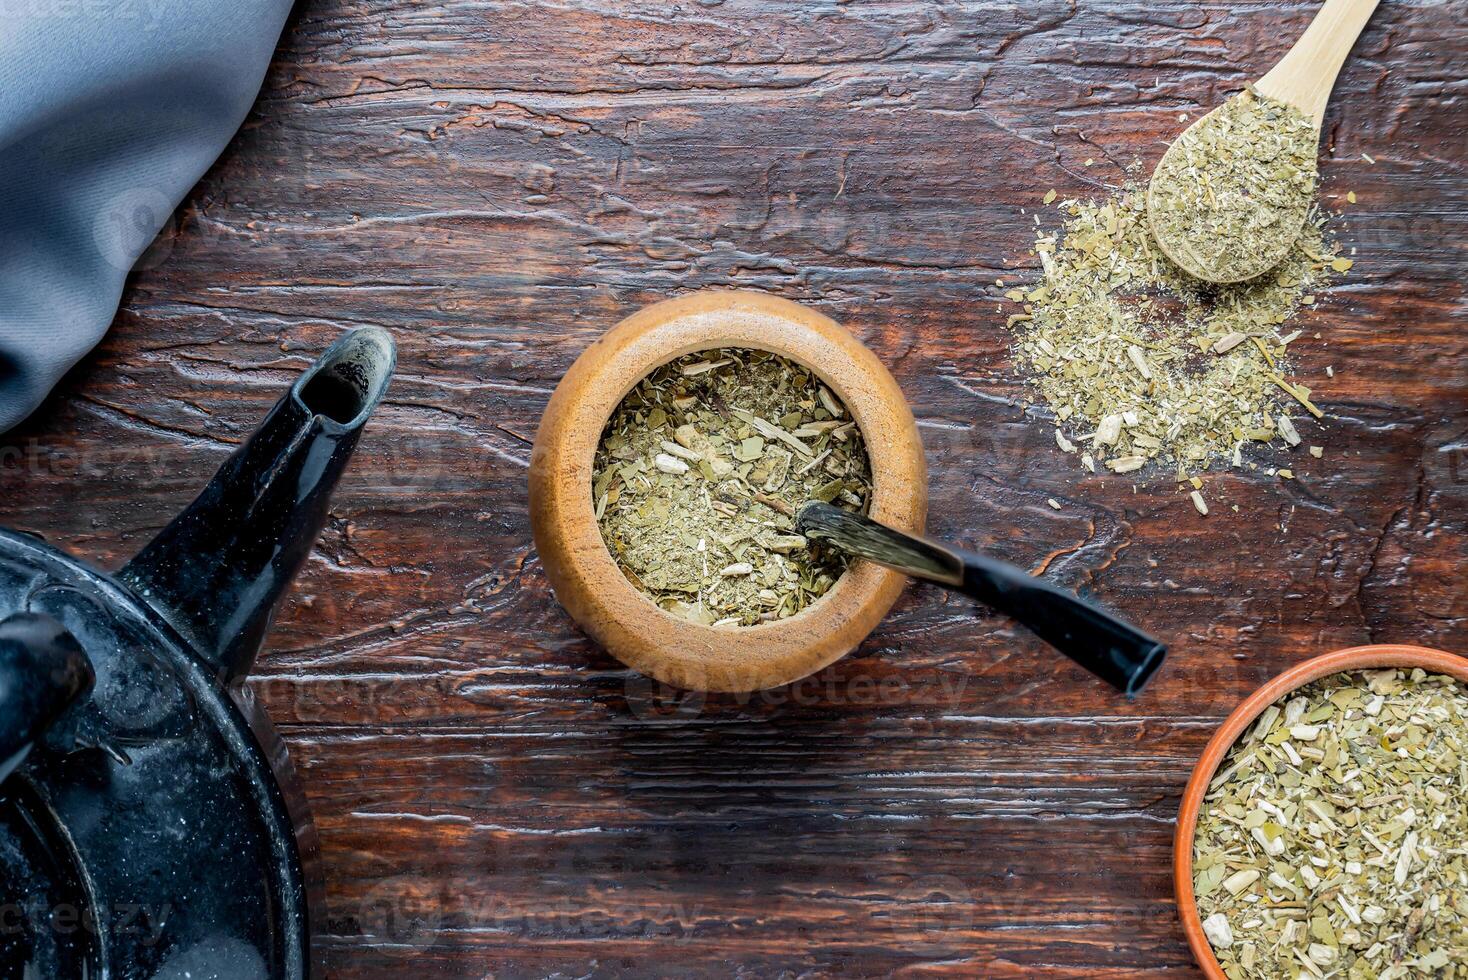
(1306, 74)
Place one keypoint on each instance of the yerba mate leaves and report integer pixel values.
(700, 472)
(1142, 362)
(1231, 193)
(1333, 841)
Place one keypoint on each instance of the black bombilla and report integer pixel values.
(1107, 646)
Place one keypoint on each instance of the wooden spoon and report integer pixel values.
(1303, 78)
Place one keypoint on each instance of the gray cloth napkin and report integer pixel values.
(110, 110)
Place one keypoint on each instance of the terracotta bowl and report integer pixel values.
(588, 582)
(1356, 658)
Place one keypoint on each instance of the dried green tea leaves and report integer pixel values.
(1140, 358)
(1232, 192)
(1142, 362)
(700, 472)
(1333, 842)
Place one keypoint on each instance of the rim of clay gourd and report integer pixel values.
(1375, 657)
(596, 592)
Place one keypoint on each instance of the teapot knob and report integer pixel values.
(43, 671)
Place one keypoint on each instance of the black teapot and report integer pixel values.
(144, 834)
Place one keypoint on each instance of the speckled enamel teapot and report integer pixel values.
(144, 834)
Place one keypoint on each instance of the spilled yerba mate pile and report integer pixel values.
(700, 472)
(1143, 363)
(1333, 842)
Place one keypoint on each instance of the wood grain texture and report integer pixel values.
(499, 182)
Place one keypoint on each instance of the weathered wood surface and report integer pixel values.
(497, 183)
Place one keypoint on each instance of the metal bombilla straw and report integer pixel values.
(1099, 641)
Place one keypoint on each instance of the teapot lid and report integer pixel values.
(146, 834)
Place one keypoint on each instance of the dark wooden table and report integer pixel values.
(499, 182)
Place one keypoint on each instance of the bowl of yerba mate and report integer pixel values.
(1324, 832)
(669, 467)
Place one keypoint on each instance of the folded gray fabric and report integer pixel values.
(110, 110)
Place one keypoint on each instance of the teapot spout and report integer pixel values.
(217, 571)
